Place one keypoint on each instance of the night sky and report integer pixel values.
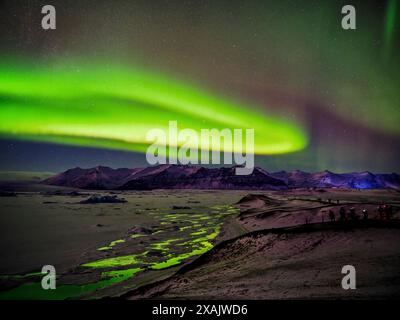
(319, 97)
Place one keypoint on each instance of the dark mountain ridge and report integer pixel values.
(197, 177)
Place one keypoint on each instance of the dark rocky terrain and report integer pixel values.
(280, 256)
(291, 263)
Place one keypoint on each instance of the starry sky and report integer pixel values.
(319, 97)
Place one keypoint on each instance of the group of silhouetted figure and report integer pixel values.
(385, 212)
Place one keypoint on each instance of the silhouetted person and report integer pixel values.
(365, 214)
(381, 212)
(353, 215)
(332, 216)
(337, 201)
(342, 213)
(388, 211)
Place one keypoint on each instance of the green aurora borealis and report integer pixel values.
(318, 97)
(115, 106)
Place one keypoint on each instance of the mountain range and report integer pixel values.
(197, 177)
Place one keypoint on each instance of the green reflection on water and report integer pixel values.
(34, 290)
(173, 253)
